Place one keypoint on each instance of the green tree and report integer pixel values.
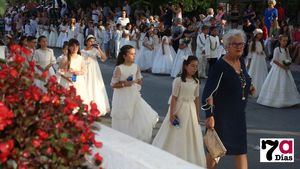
(2, 7)
(193, 5)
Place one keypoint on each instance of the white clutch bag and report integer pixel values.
(214, 145)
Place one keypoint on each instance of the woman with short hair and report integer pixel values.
(225, 99)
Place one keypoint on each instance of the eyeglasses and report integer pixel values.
(237, 45)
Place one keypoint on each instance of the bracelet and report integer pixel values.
(123, 85)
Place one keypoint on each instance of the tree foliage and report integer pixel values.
(193, 5)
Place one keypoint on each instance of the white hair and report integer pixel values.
(273, 1)
(227, 38)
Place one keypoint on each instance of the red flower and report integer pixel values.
(12, 98)
(6, 116)
(83, 139)
(64, 140)
(98, 144)
(85, 108)
(14, 48)
(5, 149)
(42, 134)
(93, 106)
(45, 98)
(98, 158)
(70, 104)
(2, 74)
(72, 118)
(26, 154)
(59, 125)
(49, 150)
(79, 124)
(56, 100)
(36, 143)
(31, 65)
(45, 74)
(52, 79)
(85, 148)
(13, 72)
(19, 59)
(26, 51)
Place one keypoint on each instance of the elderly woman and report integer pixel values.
(225, 99)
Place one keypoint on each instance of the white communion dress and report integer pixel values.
(186, 141)
(130, 113)
(78, 64)
(279, 89)
(258, 70)
(94, 81)
(180, 56)
(163, 61)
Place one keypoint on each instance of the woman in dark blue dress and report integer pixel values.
(227, 89)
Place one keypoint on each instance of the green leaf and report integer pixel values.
(63, 135)
(69, 146)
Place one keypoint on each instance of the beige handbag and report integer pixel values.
(214, 145)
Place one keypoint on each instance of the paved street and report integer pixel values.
(262, 122)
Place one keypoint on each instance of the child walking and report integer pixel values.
(183, 52)
(44, 59)
(258, 70)
(279, 89)
(185, 141)
(75, 65)
(93, 77)
(130, 113)
(200, 51)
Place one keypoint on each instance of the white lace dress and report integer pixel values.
(53, 36)
(180, 56)
(163, 61)
(279, 89)
(186, 141)
(145, 60)
(130, 113)
(78, 64)
(258, 70)
(63, 36)
(94, 81)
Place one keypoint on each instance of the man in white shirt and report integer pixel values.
(8, 22)
(34, 25)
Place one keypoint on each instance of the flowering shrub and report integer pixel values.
(39, 129)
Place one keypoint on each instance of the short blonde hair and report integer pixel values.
(227, 38)
(210, 11)
(272, 1)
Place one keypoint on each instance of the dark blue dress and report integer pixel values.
(229, 107)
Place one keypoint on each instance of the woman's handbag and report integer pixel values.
(214, 145)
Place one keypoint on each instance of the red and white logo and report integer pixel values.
(276, 150)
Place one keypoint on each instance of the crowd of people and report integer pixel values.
(233, 60)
